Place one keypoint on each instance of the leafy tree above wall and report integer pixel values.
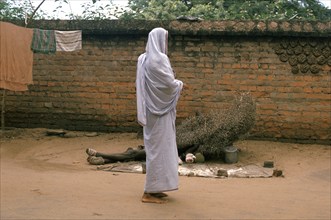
(172, 9)
(228, 9)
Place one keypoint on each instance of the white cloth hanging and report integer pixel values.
(68, 40)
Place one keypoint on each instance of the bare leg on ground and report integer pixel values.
(130, 154)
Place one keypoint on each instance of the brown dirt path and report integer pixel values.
(47, 177)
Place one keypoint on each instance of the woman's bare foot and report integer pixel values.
(149, 198)
(159, 195)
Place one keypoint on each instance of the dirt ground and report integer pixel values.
(48, 177)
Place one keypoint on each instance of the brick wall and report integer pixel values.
(287, 73)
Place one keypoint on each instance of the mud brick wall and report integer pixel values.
(285, 66)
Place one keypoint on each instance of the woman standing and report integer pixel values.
(157, 94)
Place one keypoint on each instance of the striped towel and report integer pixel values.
(43, 41)
(68, 40)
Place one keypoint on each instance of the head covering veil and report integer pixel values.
(156, 87)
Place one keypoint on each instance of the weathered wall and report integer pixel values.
(286, 67)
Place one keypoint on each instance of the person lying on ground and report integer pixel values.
(132, 154)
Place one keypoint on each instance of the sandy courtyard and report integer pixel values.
(47, 177)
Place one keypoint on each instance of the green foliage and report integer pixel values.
(228, 9)
(11, 9)
(206, 11)
(278, 10)
(92, 10)
(155, 9)
(9, 12)
(22, 9)
(171, 9)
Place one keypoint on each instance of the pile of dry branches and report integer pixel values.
(214, 131)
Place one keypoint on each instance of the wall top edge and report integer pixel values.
(190, 28)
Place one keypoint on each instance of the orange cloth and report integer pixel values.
(16, 57)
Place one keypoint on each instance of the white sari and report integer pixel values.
(157, 94)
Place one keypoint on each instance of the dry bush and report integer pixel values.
(215, 130)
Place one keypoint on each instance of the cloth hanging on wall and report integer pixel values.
(68, 40)
(16, 57)
(17, 46)
(43, 41)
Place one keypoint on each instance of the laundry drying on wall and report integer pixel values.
(17, 46)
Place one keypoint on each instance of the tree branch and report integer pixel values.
(33, 13)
